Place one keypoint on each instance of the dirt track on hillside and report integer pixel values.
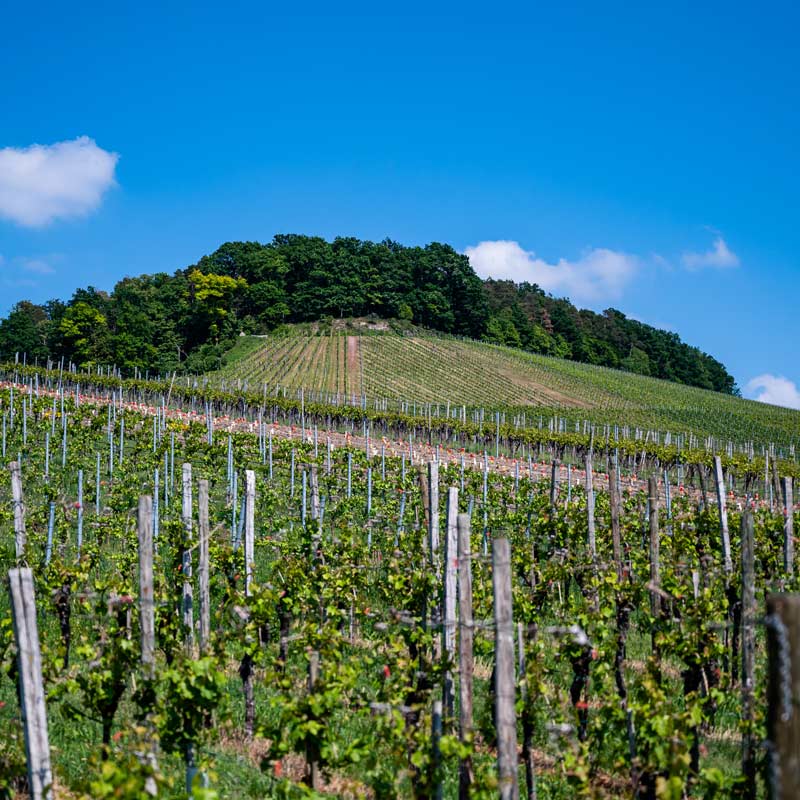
(417, 452)
(354, 365)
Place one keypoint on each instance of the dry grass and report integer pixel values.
(292, 766)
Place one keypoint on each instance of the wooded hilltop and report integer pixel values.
(187, 320)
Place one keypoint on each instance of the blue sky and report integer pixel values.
(644, 159)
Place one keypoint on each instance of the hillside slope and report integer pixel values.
(185, 322)
(421, 367)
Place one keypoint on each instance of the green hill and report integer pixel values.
(184, 322)
(345, 360)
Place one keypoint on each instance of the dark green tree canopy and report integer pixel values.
(187, 320)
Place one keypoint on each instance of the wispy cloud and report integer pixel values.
(597, 276)
(42, 183)
(720, 256)
(36, 265)
(773, 389)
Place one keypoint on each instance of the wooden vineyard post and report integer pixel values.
(422, 477)
(450, 594)
(590, 509)
(433, 514)
(776, 483)
(48, 553)
(701, 474)
(527, 727)
(465, 662)
(783, 696)
(246, 667)
(616, 541)
(147, 610)
(314, 492)
(788, 527)
(424, 494)
(719, 479)
(203, 565)
(249, 528)
(303, 496)
(749, 743)
(505, 692)
(188, 590)
(766, 480)
(554, 482)
(80, 512)
(485, 532)
(312, 764)
(31, 687)
(655, 572)
(146, 591)
(19, 508)
(436, 743)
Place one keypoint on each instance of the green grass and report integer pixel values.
(384, 578)
(421, 367)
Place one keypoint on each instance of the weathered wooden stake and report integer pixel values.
(51, 521)
(80, 511)
(450, 595)
(465, 661)
(188, 590)
(719, 479)
(655, 571)
(590, 508)
(527, 727)
(20, 537)
(314, 492)
(147, 609)
(788, 526)
(616, 541)
(505, 693)
(312, 765)
(203, 565)
(436, 738)
(749, 744)
(249, 529)
(31, 687)
(783, 696)
(433, 514)
(554, 482)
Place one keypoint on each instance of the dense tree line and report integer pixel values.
(523, 315)
(187, 320)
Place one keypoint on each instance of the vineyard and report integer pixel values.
(223, 611)
(423, 367)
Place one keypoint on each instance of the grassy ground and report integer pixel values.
(418, 367)
(366, 579)
(235, 765)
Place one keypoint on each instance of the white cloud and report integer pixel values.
(37, 265)
(598, 275)
(720, 256)
(774, 389)
(42, 183)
